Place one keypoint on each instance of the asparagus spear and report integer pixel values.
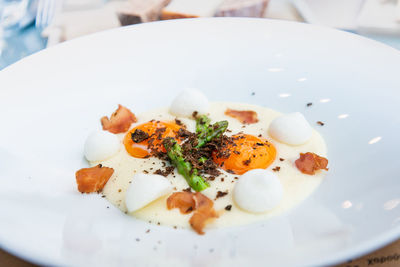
(202, 124)
(207, 132)
(174, 152)
(202, 159)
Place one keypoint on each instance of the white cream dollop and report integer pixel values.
(258, 191)
(188, 101)
(144, 189)
(292, 129)
(101, 145)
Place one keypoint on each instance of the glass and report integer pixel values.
(16, 39)
(16, 14)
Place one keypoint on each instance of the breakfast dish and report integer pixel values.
(76, 229)
(199, 164)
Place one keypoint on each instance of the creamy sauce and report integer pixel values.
(297, 186)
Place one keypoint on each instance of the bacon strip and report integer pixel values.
(93, 179)
(187, 202)
(309, 162)
(119, 122)
(204, 212)
(244, 116)
(184, 201)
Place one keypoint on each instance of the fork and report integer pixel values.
(45, 12)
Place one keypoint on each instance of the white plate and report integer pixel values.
(49, 102)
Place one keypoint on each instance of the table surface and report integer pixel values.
(29, 41)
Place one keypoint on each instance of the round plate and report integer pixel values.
(49, 103)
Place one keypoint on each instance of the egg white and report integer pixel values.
(296, 185)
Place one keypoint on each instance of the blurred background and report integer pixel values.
(27, 26)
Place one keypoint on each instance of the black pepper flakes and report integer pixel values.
(281, 159)
(309, 104)
(228, 208)
(177, 121)
(168, 170)
(139, 136)
(320, 123)
(276, 169)
(247, 162)
(221, 194)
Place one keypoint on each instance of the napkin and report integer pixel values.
(80, 19)
(380, 16)
(362, 16)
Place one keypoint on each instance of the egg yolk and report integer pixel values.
(246, 152)
(157, 131)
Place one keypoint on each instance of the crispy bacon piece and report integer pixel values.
(244, 116)
(120, 121)
(309, 162)
(204, 211)
(93, 179)
(184, 201)
(202, 206)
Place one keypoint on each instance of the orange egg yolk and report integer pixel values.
(157, 131)
(247, 152)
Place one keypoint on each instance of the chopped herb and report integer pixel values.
(202, 159)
